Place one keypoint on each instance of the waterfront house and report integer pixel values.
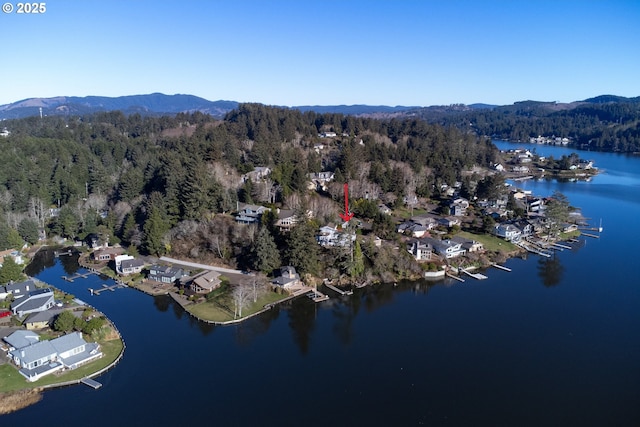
(205, 282)
(288, 278)
(420, 250)
(107, 254)
(445, 248)
(507, 231)
(38, 300)
(469, 245)
(126, 264)
(165, 273)
(45, 357)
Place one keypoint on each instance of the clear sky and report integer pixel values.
(324, 52)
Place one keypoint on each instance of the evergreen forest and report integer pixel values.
(171, 184)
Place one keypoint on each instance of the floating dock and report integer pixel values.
(78, 276)
(91, 383)
(476, 276)
(595, 236)
(106, 288)
(501, 267)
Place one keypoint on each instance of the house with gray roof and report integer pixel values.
(131, 266)
(21, 289)
(21, 338)
(288, 278)
(165, 273)
(42, 319)
(38, 300)
(45, 357)
(249, 214)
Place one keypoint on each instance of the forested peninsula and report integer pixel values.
(172, 185)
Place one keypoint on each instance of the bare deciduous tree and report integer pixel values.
(241, 295)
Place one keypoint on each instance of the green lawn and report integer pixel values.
(491, 243)
(12, 380)
(211, 311)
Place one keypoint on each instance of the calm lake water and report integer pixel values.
(555, 342)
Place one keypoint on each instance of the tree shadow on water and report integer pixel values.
(550, 271)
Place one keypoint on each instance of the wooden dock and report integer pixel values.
(106, 287)
(501, 267)
(78, 276)
(91, 383)
(317, 296)
(338, 290)
(595, 236)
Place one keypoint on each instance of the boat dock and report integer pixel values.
(78, 276)
(501, 267)
(595, 236)
(476, 276)
(317, 296)
(338, 290)
(106, 287)
(91, 383)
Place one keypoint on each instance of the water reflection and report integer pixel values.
(550, 270)
(70, 263)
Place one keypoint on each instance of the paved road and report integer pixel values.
(202, 266)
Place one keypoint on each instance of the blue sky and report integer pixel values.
(402, 52)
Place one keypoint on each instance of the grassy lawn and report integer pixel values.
(12, 380)
(213, 312)
(491, 243)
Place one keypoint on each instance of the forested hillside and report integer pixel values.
(167, 184)
(605, 123)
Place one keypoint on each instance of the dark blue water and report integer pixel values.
(556, 342)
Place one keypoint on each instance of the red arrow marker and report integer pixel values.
(346, 215)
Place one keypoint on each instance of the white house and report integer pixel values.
(45, 357)
(508, 232)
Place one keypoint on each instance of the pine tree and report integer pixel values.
(155, 227)
(265, 255)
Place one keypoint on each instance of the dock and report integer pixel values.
(317, 296)
(78, 276)
(476, 276)
(91, 383)
(106, 287)
(501, 267)
(595, 236)
(338, 290)
(459, 279)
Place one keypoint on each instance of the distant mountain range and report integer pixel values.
(158, 104)
(153, 104)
